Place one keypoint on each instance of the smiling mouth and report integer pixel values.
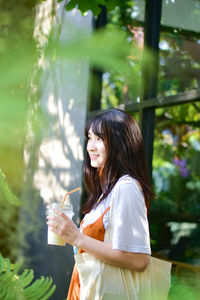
(93, 156)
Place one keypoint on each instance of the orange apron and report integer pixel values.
(95, 230)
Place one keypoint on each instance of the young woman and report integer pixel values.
(115, 170)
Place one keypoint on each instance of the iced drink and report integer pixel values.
(53, 238)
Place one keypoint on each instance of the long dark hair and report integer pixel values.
(125, 155)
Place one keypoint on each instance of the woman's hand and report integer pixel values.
(64, 227)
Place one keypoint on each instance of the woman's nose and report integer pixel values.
(91, 145)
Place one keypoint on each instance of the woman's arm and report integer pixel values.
(69, 232)
(104, 252)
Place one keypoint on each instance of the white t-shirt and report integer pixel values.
(131, 228)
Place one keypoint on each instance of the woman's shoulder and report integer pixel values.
(125, 185)
(126, 182)
(126, 179)
(127, 190)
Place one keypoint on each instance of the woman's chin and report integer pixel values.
(94, 165)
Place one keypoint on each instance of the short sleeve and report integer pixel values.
(130, 223)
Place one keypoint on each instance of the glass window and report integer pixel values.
(138, 10)
(179, 46)
(182, 14)
(119, 87)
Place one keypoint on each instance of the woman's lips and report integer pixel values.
(93, 156)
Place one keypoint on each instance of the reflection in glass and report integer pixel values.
(182, 14)
(179, 63)
(117, 87)
(179, 47)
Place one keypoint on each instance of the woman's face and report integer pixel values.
(96, 150)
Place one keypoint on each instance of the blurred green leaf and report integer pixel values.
(93, 5)
(6, 192)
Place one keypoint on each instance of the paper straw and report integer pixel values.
(68, 193)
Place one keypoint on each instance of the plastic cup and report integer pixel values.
(52, 237)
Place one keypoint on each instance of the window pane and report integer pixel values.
(183, 14)
(138, 10)
(179, 63)
(179, 47)
(121, 87)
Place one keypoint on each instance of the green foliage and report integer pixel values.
(176, 179)
(17, 53)
(21, 286)
(9, 204)
(107, 49)
(94, 5)
(6, 192)
(185, 287)
(85, 5)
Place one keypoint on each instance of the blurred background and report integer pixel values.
(63, 61)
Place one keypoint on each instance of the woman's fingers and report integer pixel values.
(55, 219)
(61, 214)
(59, 218)
(63, 226)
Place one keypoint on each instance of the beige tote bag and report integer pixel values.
(100, 281)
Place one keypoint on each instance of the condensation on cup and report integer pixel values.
(52, 237)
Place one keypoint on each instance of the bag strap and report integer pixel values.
(109, 231)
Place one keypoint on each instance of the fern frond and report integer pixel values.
(26, 277)
(2, 293)
(5, 273)
(1, 263)
(41, 289)
(21, 286)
